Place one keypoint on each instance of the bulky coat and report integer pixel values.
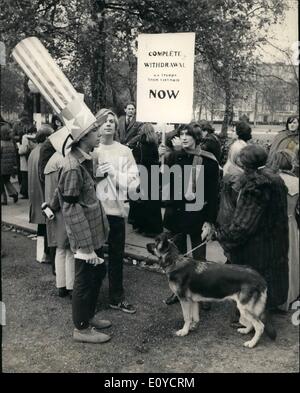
(257, 235)
(35, 189)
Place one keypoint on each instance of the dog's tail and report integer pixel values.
(269, 328)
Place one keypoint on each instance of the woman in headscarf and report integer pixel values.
(257, 235)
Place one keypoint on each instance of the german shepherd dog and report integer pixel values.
(193, 281)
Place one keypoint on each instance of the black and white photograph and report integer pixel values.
(149, 189)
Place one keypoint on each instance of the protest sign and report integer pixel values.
(165, 77)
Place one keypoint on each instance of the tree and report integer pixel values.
(94, 40)
(206, 92)
(274, 93)
(11, 89)
(236, 30)
(227, 35)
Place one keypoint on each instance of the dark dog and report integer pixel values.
(193, 281)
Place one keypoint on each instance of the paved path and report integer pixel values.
(18, 215)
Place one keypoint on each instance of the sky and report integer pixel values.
(285, 34)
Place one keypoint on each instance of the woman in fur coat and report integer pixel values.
(258, 234)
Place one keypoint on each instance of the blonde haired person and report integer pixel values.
(117, 173)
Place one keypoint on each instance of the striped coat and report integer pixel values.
(257, 235)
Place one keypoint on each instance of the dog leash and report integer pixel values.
(195, 248)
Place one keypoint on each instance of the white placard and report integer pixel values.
(165, 76)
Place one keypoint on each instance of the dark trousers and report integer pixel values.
(8, 186)
(24, 183)
(42, 231)
(116, 246)
(87, 283)
(181, 242)
(51, 253)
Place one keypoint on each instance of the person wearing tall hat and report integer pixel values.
(87, 229)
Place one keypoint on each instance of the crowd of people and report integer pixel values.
(80, 199)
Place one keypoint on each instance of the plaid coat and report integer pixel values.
(86, 223)
(258, 233)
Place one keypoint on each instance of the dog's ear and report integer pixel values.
(164, 242)
(150, 248)
(175, 238)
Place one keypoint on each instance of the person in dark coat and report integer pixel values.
(18, 131)
(178, 219)
(128, 127)
(8, 164)
(210, 142)
(257, 235)
(25, 147)
(36, 196)
(146, 213)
